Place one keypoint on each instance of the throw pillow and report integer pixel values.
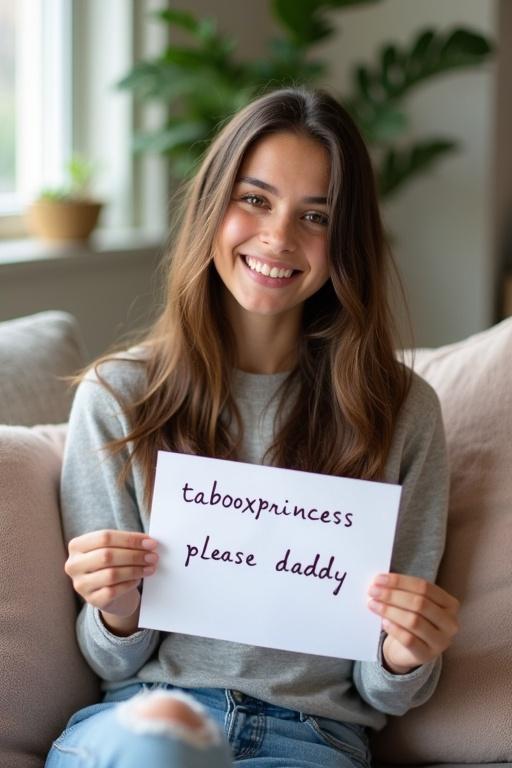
(44, 677)
(469, 717)
(35, 352)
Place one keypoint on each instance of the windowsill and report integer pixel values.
(112, 284)
(100, 244)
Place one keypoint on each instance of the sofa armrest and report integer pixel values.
(37, 352)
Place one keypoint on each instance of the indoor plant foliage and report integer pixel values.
(204, 82)
(67, 212)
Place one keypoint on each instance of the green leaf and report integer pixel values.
(387, 123)
(213, 50)
(183, 19)
(379, 123)
(303, 20)
(207, 29)
(362, 76)
(139, 76)
(80, 172)
(424, 48)
(399, 166)
(287, 63)
(204, 29)
(306, 20)
(423, 44)
(168, 139)
(465, 48)
(157, 79)
(392, 69)
(187, 58)
(399, 70)
(58, 195)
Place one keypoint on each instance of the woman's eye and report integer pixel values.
(317, 218)
(255, 200)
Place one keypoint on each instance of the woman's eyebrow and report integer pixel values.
(274, 191)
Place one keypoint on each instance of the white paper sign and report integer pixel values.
(268, 556)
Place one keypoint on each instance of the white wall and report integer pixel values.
(442, 222)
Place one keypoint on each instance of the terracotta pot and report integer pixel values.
(63, 219)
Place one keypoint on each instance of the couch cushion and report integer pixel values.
(469, 718)
(44, 676)
(34, 352)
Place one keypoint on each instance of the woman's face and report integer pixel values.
(271, 247)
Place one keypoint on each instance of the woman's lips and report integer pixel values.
(266, 280)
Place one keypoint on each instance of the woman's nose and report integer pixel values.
(278, 234)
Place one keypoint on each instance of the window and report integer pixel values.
(59, 63)
(40, 35)
(7, 98)
(35, 104)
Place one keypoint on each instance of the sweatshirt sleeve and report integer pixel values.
(93, 499)
(418, 547)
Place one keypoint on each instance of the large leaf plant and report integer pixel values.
(203, 82)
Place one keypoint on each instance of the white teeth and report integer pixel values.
(264, 269)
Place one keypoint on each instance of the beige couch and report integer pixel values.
(43, 677)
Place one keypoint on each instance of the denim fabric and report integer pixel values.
(255, 735)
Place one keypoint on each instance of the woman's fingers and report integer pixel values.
(409, 641)
(407, 608)
(111, 538)
(108, 558)
(419, 617)
(417, 586)
(434, 635)
(104, 565)
(108, 577)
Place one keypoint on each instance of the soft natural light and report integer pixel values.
(35, 103)
(7, 97)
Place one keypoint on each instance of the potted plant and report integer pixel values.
(203, 81)
(68, 212)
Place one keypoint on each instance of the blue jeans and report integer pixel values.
(250, 732)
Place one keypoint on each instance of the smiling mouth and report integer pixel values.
(275, 272)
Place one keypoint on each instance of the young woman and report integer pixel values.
(274, 347)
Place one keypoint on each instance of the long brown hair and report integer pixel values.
(347, 386)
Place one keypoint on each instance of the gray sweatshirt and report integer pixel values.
(357, 692)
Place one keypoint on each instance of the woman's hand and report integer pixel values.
(419, 617)
(106, 568)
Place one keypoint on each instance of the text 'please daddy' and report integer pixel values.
(286, 564)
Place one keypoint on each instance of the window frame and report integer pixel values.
(42, 98)
(83, 113)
